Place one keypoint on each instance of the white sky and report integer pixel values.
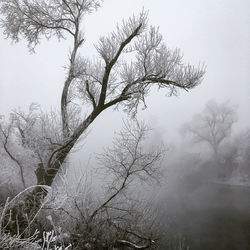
(215, 32)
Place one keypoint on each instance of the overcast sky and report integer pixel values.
(215, 32)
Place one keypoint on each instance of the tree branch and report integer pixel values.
(109, 65)
(131, 244)
(90, 94)
(12, 157)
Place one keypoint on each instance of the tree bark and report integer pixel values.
(46, 175)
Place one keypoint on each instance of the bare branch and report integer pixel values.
(127, 159)
(34, 19)
(131, 244)
(111, 50)
(6, 135)
(90, 94)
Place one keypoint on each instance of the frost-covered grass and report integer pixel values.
(8, 241)
(48, 241)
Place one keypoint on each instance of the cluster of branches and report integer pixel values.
(127, 160)
(29, 137)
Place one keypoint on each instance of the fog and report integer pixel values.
(202, 202)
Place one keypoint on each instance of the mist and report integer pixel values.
(195, 195)
(204, 203)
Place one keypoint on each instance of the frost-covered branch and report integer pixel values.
(128, 160)
(5, 137)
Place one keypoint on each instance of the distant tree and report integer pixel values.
(212, 126)
(111, 80)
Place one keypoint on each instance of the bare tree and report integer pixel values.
(109, 81)
(128, 160)
(119, 217)
(213, 125)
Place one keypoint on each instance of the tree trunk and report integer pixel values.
(46, 175)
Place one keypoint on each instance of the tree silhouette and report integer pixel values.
(213, 125)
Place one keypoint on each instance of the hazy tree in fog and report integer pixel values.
(213, 125)
(113, 79)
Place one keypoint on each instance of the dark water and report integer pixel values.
(208, 217)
